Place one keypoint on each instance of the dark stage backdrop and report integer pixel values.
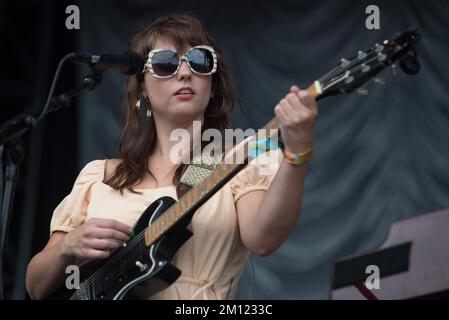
(378, 159)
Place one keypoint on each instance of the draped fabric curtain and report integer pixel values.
(378, 159)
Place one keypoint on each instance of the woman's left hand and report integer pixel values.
(296, 115)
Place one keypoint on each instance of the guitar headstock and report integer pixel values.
(353, 72)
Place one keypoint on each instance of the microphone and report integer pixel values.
(127, 62)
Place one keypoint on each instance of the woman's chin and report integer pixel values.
(187, 114)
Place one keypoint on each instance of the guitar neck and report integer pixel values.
(222, 173)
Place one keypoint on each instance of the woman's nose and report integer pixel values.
(184, 71)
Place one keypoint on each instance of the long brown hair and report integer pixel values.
(138, 137)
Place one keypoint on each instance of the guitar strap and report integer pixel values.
(203, 165)
(200, 168)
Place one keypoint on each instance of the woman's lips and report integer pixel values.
(184, 96)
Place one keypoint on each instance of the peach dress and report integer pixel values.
(212, 260)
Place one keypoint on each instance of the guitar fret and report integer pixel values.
(148, 236)
(195, 194)
(174, 214)
(163, 223)
(189, 199)
(218, 174)
(169, 216)
(192, 196)
(180, 208)
(176, 211)
(209, 183)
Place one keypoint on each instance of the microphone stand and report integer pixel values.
(12, 152)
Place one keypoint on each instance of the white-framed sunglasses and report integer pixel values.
(164, 63)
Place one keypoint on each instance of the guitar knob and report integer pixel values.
(394, 69)
(379, 81)
(362, 92)
(141, 266)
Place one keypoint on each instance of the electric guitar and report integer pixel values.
(163, 227)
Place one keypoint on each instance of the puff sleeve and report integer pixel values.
(72, 210)
(257, 175)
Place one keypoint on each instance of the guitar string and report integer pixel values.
(340, 69)
(355, 69)
(339, 76)
(367, 59)
(95, 278)
(337, 71)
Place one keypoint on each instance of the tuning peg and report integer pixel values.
(379, 81)
(381, 57)
(362, 92)
(378, 47)
(349, 79)
(394, 69)
(365, 68)
(344, 62)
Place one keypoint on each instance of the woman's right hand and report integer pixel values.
(95, 239)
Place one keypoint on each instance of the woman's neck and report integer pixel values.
(165, 129)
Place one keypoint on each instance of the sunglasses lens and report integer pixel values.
(165, 63)
(201, 60)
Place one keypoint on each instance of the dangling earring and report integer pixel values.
(143, 107)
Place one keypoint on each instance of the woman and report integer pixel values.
(251, 213)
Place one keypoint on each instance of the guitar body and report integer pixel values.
(133, 264)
